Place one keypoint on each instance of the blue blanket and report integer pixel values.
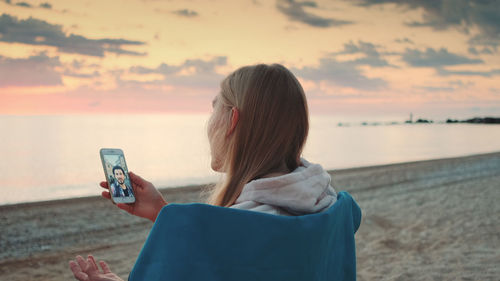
(204, 242)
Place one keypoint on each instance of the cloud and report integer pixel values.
(485, 50)
(163, 69)
(434, 89)
(81, 75)
(372, 55)
(404, 40)
(199, 65)
(38, 70)
(192, 72)
(38, 32)
(461, 84)
(463, 15)
(445, 72)
(435, 58)
(344, 74)
(23, 4)
(473, 51)
(451, 87)
(46, 5)
(296, 12)
(439, 59)
(186, 13)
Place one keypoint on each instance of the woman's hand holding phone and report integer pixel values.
(148, 200)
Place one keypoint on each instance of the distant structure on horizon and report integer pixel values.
(476, 120)
(411, 119)
(419, 120)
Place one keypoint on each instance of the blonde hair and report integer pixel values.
(271, 130)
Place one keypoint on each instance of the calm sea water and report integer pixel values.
(50, 157)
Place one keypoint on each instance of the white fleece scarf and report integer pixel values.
(306, 190)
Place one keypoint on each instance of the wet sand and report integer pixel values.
(426, 220)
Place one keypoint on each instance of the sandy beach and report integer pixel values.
(426, 220)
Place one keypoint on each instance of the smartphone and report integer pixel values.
(116, 172)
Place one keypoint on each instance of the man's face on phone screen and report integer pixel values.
(120, 177)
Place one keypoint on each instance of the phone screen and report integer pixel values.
(116, 172)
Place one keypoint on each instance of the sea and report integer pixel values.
(55, 157)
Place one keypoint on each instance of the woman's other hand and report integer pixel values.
(148, 200)
(87, 270)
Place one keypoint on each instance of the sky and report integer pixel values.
(434, 58)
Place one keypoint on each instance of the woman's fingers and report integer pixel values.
(91, 260)
(105, 267)
(82, 263)
(106, 194)
(82, 276)
(136, 179)
(104, 184)
(126, 207)
(75, 268)
(77, 271)
(85, 270)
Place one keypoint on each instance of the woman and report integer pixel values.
(257, 131)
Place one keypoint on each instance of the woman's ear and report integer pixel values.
(235, 116)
